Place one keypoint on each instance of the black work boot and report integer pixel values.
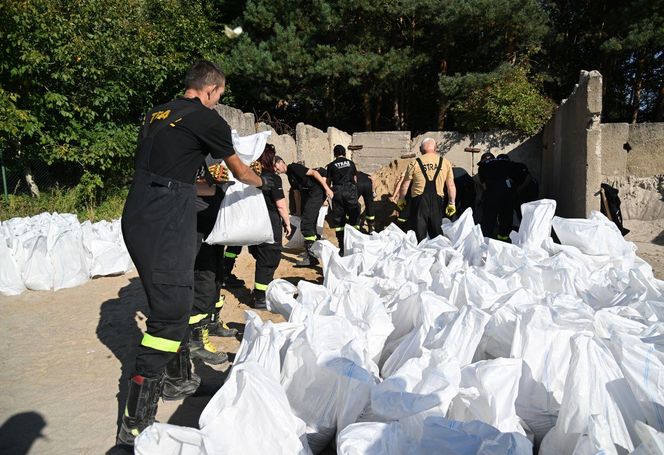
(231, 281)
(141, 407)
(180, 380)
(200, 346)
(340, 240)
(259, 302)
(309, 260)
(217, 327)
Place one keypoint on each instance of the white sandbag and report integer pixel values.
(279, 297)
(310, 388)
(535, 224)
(166, 439)
(37, 271)
(449, 437)
(250, 415)
(243, 218)
(105, 248)
(65, 249)
(11, 282)
(652, 441)
(641, 361)
(541, 340)
(422, 383)
(458, 230)
(594, 236)
(261, 343)
(374, 438)
(458, 334)
(594, 386)
(597, 438)
(297, 241)
(488, 393)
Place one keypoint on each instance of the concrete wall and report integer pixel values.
(379, 148)
(571, 159)
(245, 124)
(313, 146)
(635, 150)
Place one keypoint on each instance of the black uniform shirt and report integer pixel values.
(518, 173)
(271, 198)
(364, 183)
(179, 149)
(494, 172)
(298, 178)
(341, 171)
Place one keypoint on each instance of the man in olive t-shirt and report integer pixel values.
(426, 177)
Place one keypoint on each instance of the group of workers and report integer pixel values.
(173, 204)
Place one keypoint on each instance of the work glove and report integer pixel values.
(450, 210)
(267, 184)
(401, 204)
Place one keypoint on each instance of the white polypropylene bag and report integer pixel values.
(535, 224)
(594, 386)
(65, 249)
(243, 218)
(166, 439)
(594, 236)
(11, 282)
(488, 393)
(251, 415)
(297, 241)
(374, 438)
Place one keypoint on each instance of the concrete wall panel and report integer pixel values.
(313, 146)
(379, 148)
(245, 124)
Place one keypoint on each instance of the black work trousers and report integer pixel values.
(426, 215)
(159, 229)
(268, 256)
(312, 201)
(345, 207)
(497, 207)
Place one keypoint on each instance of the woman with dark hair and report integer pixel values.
(268, 255)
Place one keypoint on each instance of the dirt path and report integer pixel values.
(66, 355)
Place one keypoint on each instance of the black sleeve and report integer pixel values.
(217, 138)
(329, 169)
(277, 192)
(298, 171)
(352, 164)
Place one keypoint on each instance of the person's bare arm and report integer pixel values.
(451, 189)
(242, 172)
(319, 178)
(403, 189)
(397, 188)
(282, 208)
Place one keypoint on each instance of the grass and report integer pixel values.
(64, 200)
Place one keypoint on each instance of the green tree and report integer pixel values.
(81, 73)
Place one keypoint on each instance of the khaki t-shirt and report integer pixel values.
(430, 162)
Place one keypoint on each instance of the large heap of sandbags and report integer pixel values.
(55, 251)
(458, 345)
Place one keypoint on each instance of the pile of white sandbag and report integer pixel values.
(55, 251)
(458, 345)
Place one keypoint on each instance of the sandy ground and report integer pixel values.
(65, 355)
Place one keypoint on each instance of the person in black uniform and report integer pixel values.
(526, 187)
(312, 189)
(498, 196)
(159, 229)
(366, 192)
(268, 255)
(341, 177)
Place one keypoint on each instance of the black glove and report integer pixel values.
(267, 184)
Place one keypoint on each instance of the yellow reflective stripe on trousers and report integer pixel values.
(196, 318)
(160, 344)
(337, 229)
(260, 286)
(401, 219)
(372, 217)
(220, 302)
(311, 238)
(230, 255)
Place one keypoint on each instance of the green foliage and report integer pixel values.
(507, 99)
(76, 77)
(65, 200)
